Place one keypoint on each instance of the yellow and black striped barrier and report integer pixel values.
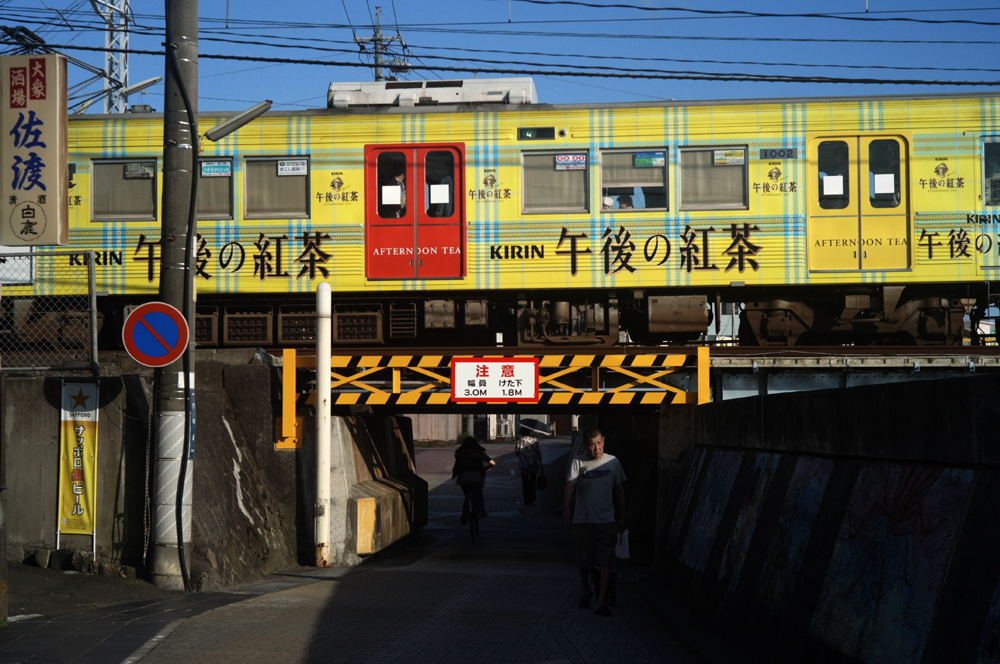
(425, 380)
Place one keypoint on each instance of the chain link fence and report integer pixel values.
(48, 310)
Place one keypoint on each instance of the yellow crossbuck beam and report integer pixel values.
(379, 380)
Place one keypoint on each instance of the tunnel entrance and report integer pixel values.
(375, 399)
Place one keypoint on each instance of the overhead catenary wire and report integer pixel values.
(582, 56)
(438, 29)
(736, 13)
(347, 14)
(438, 61)
(603, 57)
(585, 74)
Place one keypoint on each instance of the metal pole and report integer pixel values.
(324, 314)
(92, 285)
(179, 153)
(378, 46)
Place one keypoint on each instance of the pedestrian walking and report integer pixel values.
(529, 461)
(596, 480)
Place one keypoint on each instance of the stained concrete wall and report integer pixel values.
(253, 504)
(384, 476)
(842, 526)
(32, 429)
(249, 519)
(245, 495)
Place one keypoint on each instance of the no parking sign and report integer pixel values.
(155, 334)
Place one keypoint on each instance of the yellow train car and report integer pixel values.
(462, 212)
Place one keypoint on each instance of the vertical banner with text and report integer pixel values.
(34, 175)
(78, 459)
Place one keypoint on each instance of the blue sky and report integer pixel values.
(525, 34)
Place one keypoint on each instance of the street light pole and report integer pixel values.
(175, 385)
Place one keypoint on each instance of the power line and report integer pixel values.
(719, 14)
(595, 57)
(609, 36)
(439, 29)
(715, 62)
(599, 57)
(624, 92)
(534, 53)
(605, 35)
(734, 13)
(348, 18)
(751, 78)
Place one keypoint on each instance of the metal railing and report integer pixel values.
(48, 311)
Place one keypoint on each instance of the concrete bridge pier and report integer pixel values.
(376, 497)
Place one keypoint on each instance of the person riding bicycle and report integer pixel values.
(469, 471)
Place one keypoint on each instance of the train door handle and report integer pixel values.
(420, 263)
(864, 254)
(855, 254)
(411, 263)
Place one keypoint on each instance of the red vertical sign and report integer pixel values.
(36, 78)
(18, 87)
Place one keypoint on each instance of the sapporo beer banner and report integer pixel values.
(78, 459)
(35, 178)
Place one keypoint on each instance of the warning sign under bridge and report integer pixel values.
(504, 379)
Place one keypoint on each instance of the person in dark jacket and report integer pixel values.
(529, 461)
(469, 471)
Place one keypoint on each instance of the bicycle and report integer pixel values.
(473, 505)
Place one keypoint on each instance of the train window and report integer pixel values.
(713, 178)
(634, 179)
(123, 190)
(883, 173)
(439, 184)
(991, 164)
(554, 182)
(215, 189)
(277, 188)
(832, 158)
(391, 177)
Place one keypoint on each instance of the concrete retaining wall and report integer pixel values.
(249, 518)
(253, 504)
(852, 525)
(387, 499)
(31, 428)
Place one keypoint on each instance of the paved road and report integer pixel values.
(509, 597)
(438, 597)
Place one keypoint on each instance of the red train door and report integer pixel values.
(414, 212)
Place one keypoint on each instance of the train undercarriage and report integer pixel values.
(860, 315)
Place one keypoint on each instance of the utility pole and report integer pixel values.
(174, 386)
(396, 65)
(115, 14)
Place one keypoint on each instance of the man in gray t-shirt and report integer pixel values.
(599, 515)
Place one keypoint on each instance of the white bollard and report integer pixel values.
(324, 318)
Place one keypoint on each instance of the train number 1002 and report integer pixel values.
(780, 153)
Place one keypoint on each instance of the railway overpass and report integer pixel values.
(712, 482)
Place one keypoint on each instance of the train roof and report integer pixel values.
(514, 94)
(511, 91)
